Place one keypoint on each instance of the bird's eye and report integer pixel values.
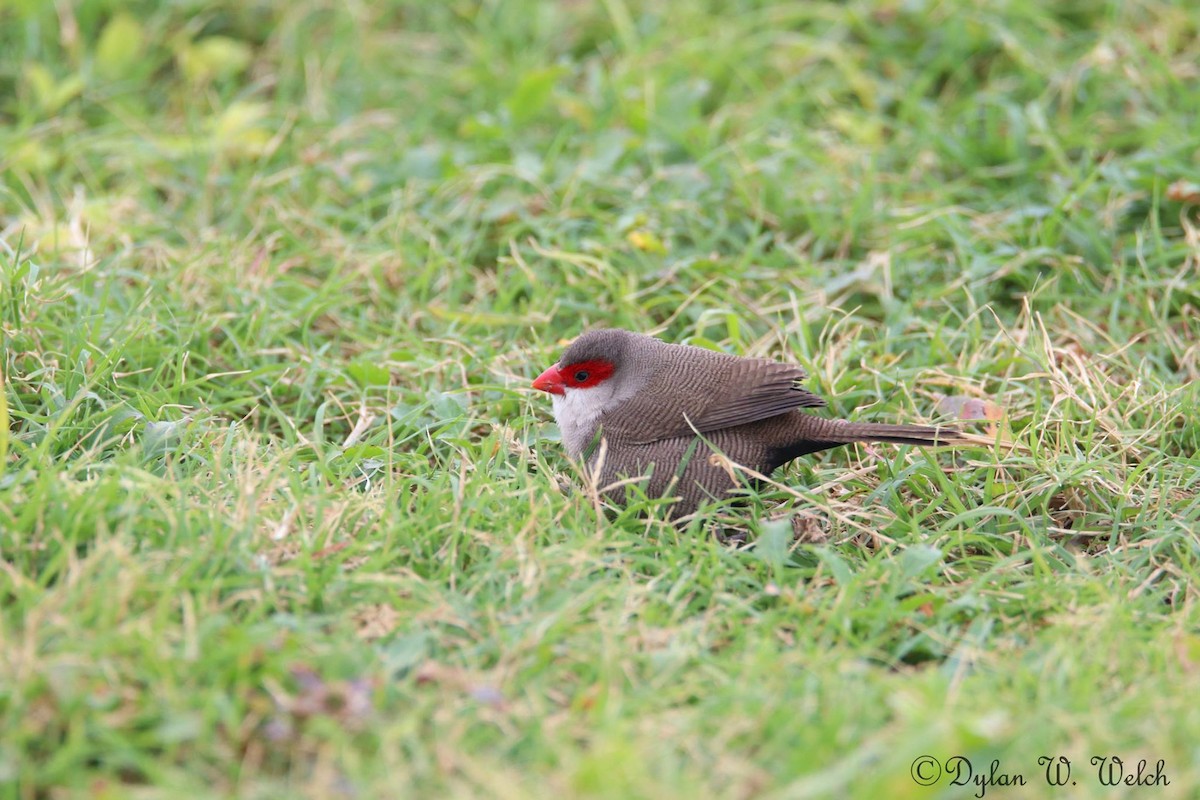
(581, 376)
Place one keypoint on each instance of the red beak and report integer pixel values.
(550, 381)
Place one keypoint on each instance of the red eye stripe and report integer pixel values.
(584, 374)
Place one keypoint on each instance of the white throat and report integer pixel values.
(577, 412)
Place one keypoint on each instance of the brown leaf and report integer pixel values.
(431, 672)
(377, 621)
(325, 552)
(971, 408)
(810, 529)
(1184, 192)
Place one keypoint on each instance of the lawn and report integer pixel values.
(280, 515)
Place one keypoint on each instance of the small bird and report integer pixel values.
(630, 405)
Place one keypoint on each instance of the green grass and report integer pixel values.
(280, 516)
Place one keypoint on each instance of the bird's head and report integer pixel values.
(595, 376)
(592, 361)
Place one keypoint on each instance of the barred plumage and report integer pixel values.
(662, 400)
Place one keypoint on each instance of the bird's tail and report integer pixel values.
(920, 435)
(808, 433)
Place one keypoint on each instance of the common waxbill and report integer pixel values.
(632, 405)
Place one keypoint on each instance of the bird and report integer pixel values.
(631, 406)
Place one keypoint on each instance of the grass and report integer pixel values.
(279, 515)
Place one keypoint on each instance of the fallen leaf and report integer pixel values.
(1184, 192)
(325, 552)
(646, 241)
(972, 408)
(377, 621)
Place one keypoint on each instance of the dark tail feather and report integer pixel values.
(919, 435)
(811, 434)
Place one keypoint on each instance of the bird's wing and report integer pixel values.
(706, 391)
